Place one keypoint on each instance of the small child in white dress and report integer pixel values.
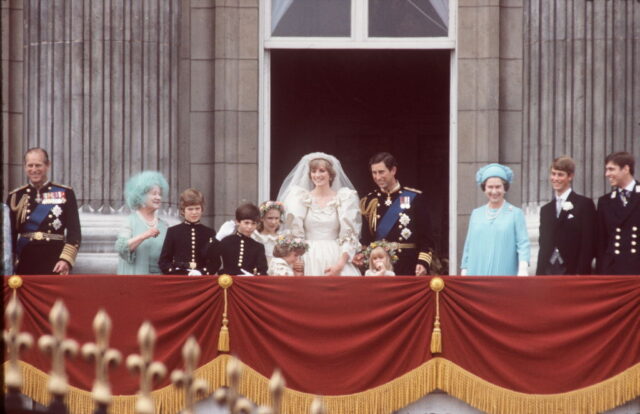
(271, 214)
(286, 253)
(379, 263)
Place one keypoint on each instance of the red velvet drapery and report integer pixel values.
(340, 335)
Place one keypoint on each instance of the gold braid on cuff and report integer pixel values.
(69, 253)
(425, 257)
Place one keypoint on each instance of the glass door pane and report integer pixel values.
(311, 18)
(408, 18)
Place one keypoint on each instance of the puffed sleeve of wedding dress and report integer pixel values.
(350, 221)
(295, 206)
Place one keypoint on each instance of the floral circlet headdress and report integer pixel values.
(271, 205)
(389, 247)
(291, 242)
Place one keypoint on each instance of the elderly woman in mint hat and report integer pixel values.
(497, 241)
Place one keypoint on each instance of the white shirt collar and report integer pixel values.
(631, 187)
(564, 195)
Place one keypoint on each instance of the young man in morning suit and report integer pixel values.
(618, 244)
(397, 214)
(45, 225)
(567, 226)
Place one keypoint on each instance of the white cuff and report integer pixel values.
(463, 272)
(523, 269)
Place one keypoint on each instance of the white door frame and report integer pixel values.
(357, 40)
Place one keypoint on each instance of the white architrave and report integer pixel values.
(357, 40)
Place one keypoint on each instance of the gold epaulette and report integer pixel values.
(62, 185)
(15, 190)
(370, 212)
(413, 189)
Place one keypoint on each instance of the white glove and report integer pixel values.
(194, 272)
(523, 269)
(227, 229)
(463, 272)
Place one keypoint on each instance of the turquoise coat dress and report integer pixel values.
(144, 259)
(495, 246)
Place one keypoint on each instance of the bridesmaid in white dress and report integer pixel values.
(323, 208)
(271, 213)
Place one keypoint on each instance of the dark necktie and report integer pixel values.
(625, 196)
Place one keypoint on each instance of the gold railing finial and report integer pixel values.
(276, 388)
(15, 341)
(103, 356)
(148, 369)
(185, 379)
(57, 346)
(317, 406)
(229, 396)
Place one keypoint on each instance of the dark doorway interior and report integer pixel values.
(354, 103)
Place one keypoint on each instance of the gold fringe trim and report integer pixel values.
(437, 373)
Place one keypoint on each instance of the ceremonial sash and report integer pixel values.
(35, 220)
(391, 216)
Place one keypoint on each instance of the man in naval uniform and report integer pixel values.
(618, 241)
(45, 226)
(397, 214)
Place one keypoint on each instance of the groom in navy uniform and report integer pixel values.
(619, 219)
(567, 226)
(397, 214)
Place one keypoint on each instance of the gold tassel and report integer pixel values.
(225, 281)
(436, 337)
(436, 284)
(223, 339)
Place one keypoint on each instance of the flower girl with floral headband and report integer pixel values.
(271, 215)
(286, 253)
(380, 257)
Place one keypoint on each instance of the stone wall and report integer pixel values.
(99, 92)
(490, 103)
(581, 89)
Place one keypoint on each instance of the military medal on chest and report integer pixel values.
(405, 202)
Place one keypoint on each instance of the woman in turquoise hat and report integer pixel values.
(497, 241)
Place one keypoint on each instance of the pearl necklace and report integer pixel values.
(492, 214)
(151, 223)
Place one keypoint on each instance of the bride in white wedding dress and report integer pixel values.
(322, 207)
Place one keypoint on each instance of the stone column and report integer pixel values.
(196, 99)
(581, 89)
(489, 99)
(11, 70)
(236, 105)
(478, 102)
(100, 92)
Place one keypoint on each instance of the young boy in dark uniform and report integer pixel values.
(184, 251)
(240, 254)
